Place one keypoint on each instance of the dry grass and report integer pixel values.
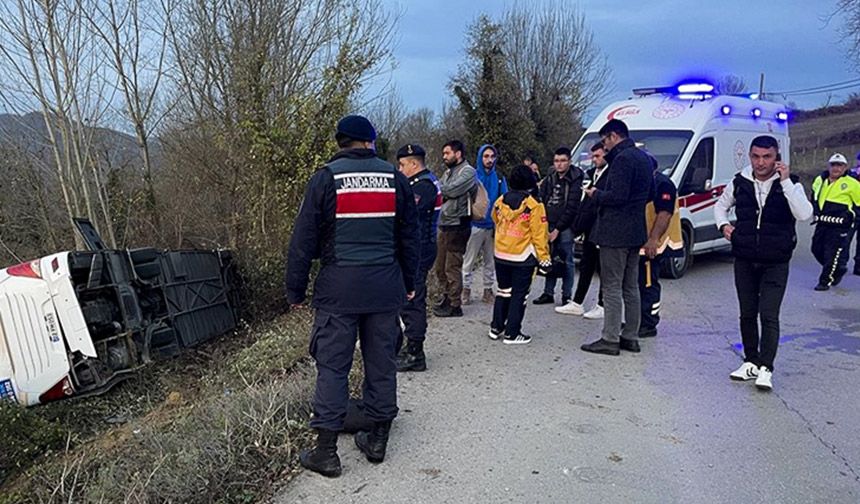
(225, 427)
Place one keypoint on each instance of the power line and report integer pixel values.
(836, 86)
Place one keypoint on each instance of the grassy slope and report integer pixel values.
(221, 423)
(814, 140)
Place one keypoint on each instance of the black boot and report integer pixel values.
(372, 444)
(323, 458)
(412, 359)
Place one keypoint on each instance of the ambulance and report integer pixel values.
(700, 139)
(76, 323)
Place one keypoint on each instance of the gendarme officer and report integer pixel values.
(428, 201)
(359, 219)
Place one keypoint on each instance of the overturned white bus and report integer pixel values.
(78, 322)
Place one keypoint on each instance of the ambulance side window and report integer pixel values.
(700, 170)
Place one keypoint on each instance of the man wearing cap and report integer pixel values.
(835, 196)
(428, 200)
(358, 218)
(459, 184)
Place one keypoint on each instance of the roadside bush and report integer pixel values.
(24, 437)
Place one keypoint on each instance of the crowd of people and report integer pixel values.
(378, 230)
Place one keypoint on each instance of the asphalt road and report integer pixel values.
(546, 422)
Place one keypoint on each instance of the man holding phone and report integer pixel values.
(768, 201)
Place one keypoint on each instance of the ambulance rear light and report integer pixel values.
(782, 116)
(756, 112)
(725, 110)
(27, 270)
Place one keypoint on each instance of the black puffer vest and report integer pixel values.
(762, 235)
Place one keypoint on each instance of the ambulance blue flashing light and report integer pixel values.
(756, 112)
(725, 110)
(695, 88)
(694, 96)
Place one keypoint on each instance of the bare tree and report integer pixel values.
(731, 84)
(260, 85)
(53, 67)
(849, 10)
(529, 78)
(554, 57)
(136, 50)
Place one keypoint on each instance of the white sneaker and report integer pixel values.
(595, 313)
(763, 382)
(747, 371)
(570, 308)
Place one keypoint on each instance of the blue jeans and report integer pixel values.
(565, 239)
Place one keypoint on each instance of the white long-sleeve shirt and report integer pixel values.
(800, 206)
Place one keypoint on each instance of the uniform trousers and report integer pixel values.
(332, 346)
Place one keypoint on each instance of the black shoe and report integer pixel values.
(442, 303)
(837, 280)
(323, 458)
(822, 287)
(544, 299)
(629, 345)
(602, 346)
(448, 311)
(648, 333)
(372, 444)
(412, 359)
(520, 339)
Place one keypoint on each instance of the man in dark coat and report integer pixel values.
(620, 231)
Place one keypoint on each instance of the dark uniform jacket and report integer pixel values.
(561, 196)
(428, 201)
(359, 219)
(621, 206)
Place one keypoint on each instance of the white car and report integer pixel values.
(78, 322)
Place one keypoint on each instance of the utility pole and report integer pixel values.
(761, 86)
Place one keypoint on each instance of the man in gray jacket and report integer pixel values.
(459, 183)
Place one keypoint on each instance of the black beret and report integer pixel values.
(411, 150)
(356, 127)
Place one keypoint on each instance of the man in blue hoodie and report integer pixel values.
(481, 239)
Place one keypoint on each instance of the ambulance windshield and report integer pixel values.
(666, 146)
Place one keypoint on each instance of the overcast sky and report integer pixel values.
(656, 42)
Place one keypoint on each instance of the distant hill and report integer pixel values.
(817, 134)
(28, 132)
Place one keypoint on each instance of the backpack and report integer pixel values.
(480, 202)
